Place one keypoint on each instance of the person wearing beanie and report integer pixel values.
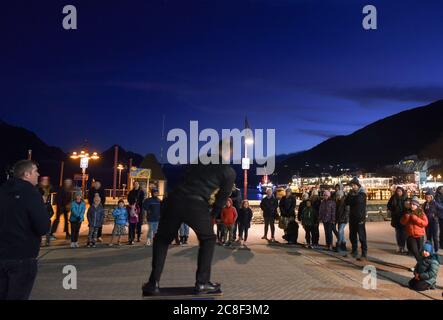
(356, 200)
(426, 270)
(341, 220)
(430, 209)
(327, 217)
(78, 209)
(415, 223)
(396, 208)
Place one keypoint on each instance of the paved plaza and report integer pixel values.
(262, 272)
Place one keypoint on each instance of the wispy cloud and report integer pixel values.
(369, 95)
(319, 133)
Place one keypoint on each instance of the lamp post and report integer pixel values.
(84, 162)
(245, 166)
(120, 167)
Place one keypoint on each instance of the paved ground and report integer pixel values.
(263, 272)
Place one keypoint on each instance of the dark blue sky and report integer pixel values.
(306, 68)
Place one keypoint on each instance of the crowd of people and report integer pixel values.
(416, 224)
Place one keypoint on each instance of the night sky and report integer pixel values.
(306, 68)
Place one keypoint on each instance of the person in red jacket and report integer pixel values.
(229, 217)
(415, 222)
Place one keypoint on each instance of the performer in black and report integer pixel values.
(198, 198)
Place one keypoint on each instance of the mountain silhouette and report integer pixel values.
(416, 131)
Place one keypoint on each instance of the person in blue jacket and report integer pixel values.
(96, 215)
(152, 206)
(120, 215)
(78, 208)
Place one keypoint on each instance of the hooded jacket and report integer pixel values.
(120, 216)
(244, 217)
(439, 202)
(96, 216)
(427, 269)
(269, 206)
(287, 206)
(23, 220)
(342, 211)
(357, 206)
(396, 207)
(415, 223)
(229, 214)
(327, 211)
(77, 211)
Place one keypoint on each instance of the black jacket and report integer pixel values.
(136, 196)
(236, 198)
(397, 207)
(63, 199)
(269, 206)
(357, 205)
(101, 193)
(211, 184)
(287, 206)
(342, 211)
(23, 220)
(244, 217)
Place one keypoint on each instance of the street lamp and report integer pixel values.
(120, 167)
(84, 157)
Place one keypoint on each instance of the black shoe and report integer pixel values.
(151, 289)
(207, 288)
(354, 254)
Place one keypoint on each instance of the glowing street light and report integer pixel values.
(120, 167)
(84, 157)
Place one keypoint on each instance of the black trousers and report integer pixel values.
(60, 212)
(99, 232)
(357, 232)
(243, 232)
(141, 217)
(131, 231)
(17, 278)
(75, 231)
(415, 246)
(196, 214)
(312, 235)
(269, 221)
(328, 226)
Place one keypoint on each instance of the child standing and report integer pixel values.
(229, 217)
(133, 213)
(96, 215)
(309, 221)
(120, 215)
(78, 208)
(244, 221)
(415, 222)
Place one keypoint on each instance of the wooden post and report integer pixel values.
(29, 154)
(129, 185)
(114, 185)
(61, 173)
(245, 184)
